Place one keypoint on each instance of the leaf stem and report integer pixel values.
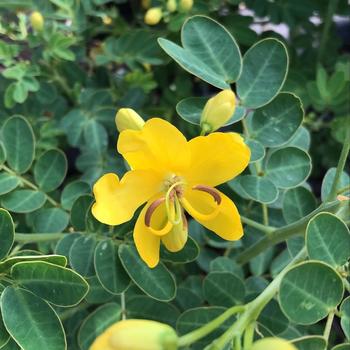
(203, 331)
(281, 234)
(38, 237)
(123, 306)
(341, 164)
(327, 330)
(29, 184)
(254, 308)
(265, 214)
(257, 225)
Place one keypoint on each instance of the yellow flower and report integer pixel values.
(153, 16)
(37, 21)
(218, 110)
(273, 344)
(171, 5)
(172, 175)
(136, 335)
(127, 118)
(186, 5)
(107, 20)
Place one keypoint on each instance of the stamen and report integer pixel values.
(174, 213)
(212, 191)
(151, 209)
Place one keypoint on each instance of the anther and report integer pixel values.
(212, 191)
(151, 209)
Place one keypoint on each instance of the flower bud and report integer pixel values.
(185, 5)
(127, 118)
(137, 335)
(273, 344)
(107, 20)
(37, 21)
(171, 5)
(218, 110)
(153, 16)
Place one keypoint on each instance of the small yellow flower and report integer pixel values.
(153, 16)
(273, 344)
(171, 5)
(127, 118)
(186, 5)
(107, 20)
(218, 110)
(137, 335)
(172, 175)
(37, 21)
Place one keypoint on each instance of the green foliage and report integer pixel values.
(65, 277)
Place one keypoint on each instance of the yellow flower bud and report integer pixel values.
(171, 5)
(153, 16)
(137, 335)
(37, 21)
(273, 344)
(218, 110)
(127, 118)
(107, 20)
(186, 5)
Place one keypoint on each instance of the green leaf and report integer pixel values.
(311, 343)
(273, 319)
(328, 239)
(22, 309)
(19, 143)
(223, 289)
(23, 201)
(158, 282)
(56, 284)
(50, 220)
(226, 264)
(8, 182)
(345, 317)
(288, 167)
(275, 124)
(257, 150)
(81, 255)
(258, 188)
(190, 109)
(265, 67)
(20, 92)
(209, 51)
(72, 191)
(187, 254)
(50, 170)
(7, 233)
(305, 295)
(59, 260)
(79, 211)
(95, 136)
(297, 203)
(109, 269)
(342, 347)
(64, 245)
(97, 294)
(11, 345)
(195, 318)
(4, 335)
(301, 139)
(96, 323)
(147, 308)
(328, 179)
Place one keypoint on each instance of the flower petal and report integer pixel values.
(217, 158)
(148, 243)
(158, 146)
(116, 201)
(226, 223)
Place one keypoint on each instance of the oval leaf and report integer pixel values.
(7, 233)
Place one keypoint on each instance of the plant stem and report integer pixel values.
(123, 306)
(254, 308)
(38, 237)
(203, 331)
(327, 330)
(249, 336)
(257, 225)
(265, 214)
(332, 6)
(346, 284)
(341, 164)
(29, 184)
(281, 234)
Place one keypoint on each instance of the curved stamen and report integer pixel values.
(151, 209)
(212, 191)
(174, 213)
